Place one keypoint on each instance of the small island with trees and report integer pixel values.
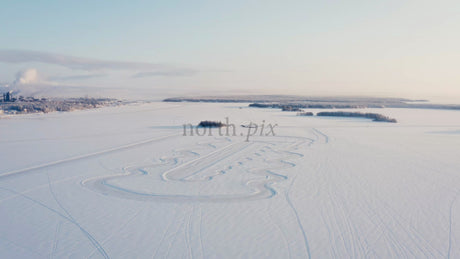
(211, 124)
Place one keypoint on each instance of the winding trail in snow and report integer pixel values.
(198, 169)
(450, 222)
(79, 157)
(299, 221)
(94, 242)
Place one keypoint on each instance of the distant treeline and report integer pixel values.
(44, 105)
(297, 107)
(290, 99)
(293, 103)
(289, 108)
(373, 116)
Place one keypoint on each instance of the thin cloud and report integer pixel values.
(76, 77)
(172, 73)
(78, 63)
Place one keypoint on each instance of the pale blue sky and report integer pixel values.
(393, 48)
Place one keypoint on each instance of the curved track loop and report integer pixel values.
(187, 166)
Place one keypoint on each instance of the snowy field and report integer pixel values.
(123, 182)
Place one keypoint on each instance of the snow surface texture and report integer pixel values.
(123, 182)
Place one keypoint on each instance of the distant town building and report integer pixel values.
(8, 96)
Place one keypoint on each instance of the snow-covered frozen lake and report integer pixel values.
(124, 182)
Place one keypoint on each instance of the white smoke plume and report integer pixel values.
(28, 82)
(28, 76)
(24, 79)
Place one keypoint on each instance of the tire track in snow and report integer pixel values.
(410, 232)
(341, 221)
(176, 234)
(388, 232)
(38, 188)
(279, 228)
(450, 223)
(385, 222)
(188, 232)
(55, 240)
(201, 164)
(41, 204)
(95, 243)
(31, 250)
(342, 214)
(326, 137)
(299, 222)
(117, 231)
(100, 184)
(201, 232)
(185, 171)
(80, 157)
(330, 233)
(168, 228)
